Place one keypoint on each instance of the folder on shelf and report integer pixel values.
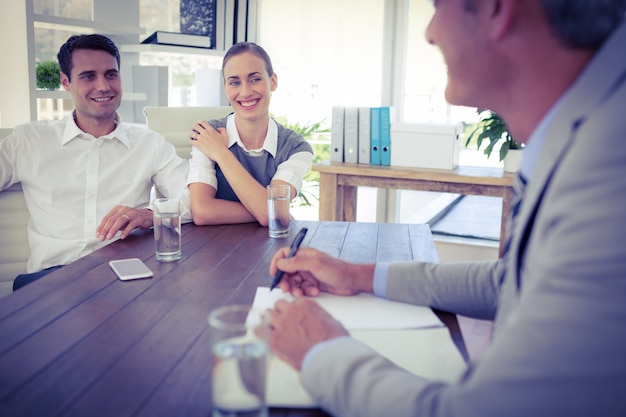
(336, 134)
(385, 136)
(375, 139)
(351, 135)
(364, 135)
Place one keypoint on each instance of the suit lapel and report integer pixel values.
(595, 84)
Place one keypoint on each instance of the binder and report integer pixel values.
(351, 135)
(375, 140)
(385, 136)
(336, 134)
(364, 135)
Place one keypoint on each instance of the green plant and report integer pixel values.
(48, 75)
(494, 129)
(321, 151)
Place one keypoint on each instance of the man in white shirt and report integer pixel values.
(86, 179)
(556, 71)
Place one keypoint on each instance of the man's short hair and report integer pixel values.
(93, 42)
(579, 24)
(584, 24)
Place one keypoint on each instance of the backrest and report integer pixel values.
(175, 123)
(14, 250)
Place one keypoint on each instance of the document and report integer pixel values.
(412, 337)
(362, 311)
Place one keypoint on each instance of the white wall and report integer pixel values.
(14, 97)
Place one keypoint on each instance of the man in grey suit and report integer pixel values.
(556, 71)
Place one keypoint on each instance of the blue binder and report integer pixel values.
(375, 136)
(385, 136)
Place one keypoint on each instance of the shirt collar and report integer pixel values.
(73, 131)
(270, 143)
(535, 142)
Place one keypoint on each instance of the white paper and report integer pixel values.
(429, 353)
(412, 337)
(361, 312)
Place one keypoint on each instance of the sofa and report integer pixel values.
(14, 250)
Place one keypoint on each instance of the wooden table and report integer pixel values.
(80, 342)
(339, 182)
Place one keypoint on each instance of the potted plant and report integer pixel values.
(321, 151)
(493, 128)
(48, 75)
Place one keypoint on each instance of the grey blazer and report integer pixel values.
(558, 299)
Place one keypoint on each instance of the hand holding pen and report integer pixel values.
(295, 245)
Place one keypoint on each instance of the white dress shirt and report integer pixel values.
(71, 180)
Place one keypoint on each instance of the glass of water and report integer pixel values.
(167, 229)
(239, 351)
(278, 199)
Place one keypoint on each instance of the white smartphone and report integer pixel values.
(132, 268)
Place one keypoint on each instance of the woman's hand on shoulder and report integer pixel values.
(211, 141)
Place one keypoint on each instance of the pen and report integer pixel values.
(294, 248)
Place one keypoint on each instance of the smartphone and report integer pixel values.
(132, 268)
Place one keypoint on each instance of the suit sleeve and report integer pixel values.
(560, 353)
(470, 289)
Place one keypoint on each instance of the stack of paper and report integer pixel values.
(410, 336)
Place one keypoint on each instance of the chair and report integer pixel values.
(14, 249)
(175, 123)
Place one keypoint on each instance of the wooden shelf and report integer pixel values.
(64, 23)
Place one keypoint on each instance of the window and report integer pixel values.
(159, 15)
(330, 52)
(325, 53)
(184, 70)
(74, 9)
(48, 37)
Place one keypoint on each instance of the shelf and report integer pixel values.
(90, 26)
(62, 94)
(171, 49)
